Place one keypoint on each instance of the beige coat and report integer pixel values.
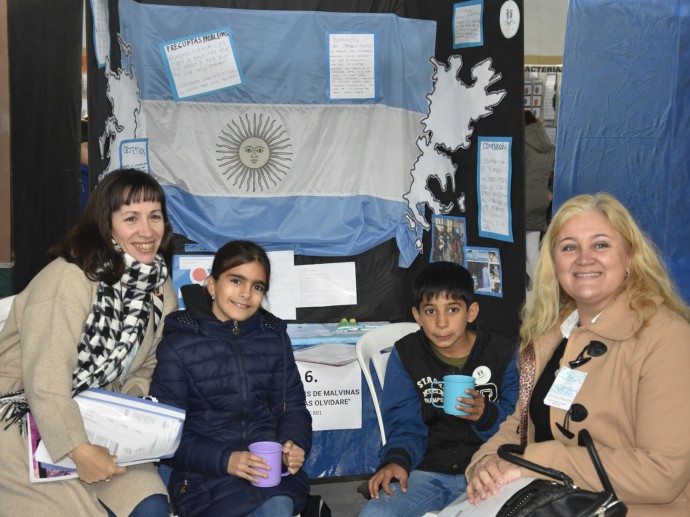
(38, 351)
(636, 396)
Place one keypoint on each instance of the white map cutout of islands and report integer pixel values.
(453, 108)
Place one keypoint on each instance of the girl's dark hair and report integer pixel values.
(90, 243)
(236, 253)
(443, 278)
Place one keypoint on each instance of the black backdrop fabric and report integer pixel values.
(383, 288)
(45, 108)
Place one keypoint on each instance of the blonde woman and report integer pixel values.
(603, 304)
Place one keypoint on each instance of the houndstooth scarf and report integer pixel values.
(116, 325)
(112, 332)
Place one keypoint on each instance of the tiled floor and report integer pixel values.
(340, 496)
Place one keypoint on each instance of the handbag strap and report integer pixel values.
(585, 438)
(508, 452)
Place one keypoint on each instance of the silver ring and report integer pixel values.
(107, 480)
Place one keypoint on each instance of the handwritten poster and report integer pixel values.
(467, 24)
(134, 154)
(201, 64)
(493, 185)
(334, 395)
(352, 66)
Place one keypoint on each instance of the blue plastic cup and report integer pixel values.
(453, 386)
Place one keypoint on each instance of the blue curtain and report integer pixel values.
(624, 116)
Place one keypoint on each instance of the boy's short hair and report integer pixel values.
(440, 278)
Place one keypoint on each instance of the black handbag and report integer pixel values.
(544, 498)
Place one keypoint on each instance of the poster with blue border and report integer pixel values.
(134, 154)
(468, 30)
(201, 64)
(352, 67)
(484, 264)
(448, 239)
(494, 174)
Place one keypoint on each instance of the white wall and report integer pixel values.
(544, 29)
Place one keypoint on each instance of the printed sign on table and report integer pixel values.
(334, 395)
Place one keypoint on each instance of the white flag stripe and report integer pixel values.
(312, 149)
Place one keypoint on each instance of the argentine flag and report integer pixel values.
(293, 129)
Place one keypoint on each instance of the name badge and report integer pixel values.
(565, 388)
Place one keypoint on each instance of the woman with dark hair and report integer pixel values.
(92, 318)
(229, 364)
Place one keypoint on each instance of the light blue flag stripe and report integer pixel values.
(283, 53)
(278, 221)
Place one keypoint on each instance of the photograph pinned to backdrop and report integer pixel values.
(448, 238)
(484, 264)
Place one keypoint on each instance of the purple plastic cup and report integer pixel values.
(272, 453)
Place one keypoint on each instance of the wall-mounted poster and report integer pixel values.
(201, 64)
(484, 264)
(494, 167)
(448, 237)
(351, 66)
(549, 94)
(468, 29)
(134, 154)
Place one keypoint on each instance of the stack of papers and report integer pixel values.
(333, 354)
(134, 429)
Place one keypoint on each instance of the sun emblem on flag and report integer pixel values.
(254, 152)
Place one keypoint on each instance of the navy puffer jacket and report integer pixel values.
(238, 383)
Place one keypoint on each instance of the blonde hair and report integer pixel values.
(647, 277)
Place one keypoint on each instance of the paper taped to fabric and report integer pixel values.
(281, 153)
(624, 117)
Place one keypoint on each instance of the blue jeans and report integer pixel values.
(426, 492)
(276, 506)
(153, 506)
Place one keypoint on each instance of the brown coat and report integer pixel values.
(38, 351)
(638, 413)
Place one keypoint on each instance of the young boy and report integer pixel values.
(427, 450)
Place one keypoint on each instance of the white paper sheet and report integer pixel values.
(324, 285)
(133, 429)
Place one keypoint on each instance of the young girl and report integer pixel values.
(229, 364)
